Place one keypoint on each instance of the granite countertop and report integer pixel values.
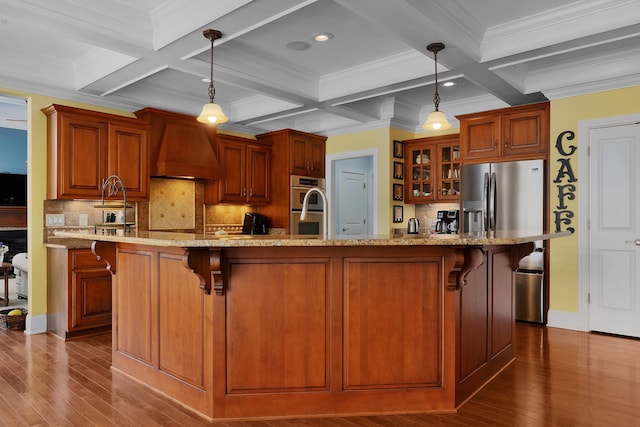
(159, 238)
(67, 243)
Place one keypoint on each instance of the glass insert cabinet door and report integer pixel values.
(432, 169)
(449, 187)
(421, 176)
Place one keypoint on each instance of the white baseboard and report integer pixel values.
(35, 324)
(563, 320)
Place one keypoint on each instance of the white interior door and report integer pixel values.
(352, 203)
(614, 234)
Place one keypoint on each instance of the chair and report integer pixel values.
(21, 270)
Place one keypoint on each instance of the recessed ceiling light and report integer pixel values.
(205, 80)
(298, 45)
(322, 37)
(449, 83)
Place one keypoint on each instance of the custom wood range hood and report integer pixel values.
(180, 146)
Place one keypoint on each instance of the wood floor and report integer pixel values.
(560, 378)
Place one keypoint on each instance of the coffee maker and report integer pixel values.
(448, 221)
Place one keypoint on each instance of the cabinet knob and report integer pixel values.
(495, 145)
(506, 142)
(244, 191)
(251, 192)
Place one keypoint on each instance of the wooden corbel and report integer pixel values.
(105, 251)
(205, 263)
(467, 260)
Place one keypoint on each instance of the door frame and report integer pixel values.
(584, 284)
(330, 169)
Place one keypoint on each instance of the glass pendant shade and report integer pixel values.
(212, 113)
(436, 120)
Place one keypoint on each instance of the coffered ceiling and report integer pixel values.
(374, 71)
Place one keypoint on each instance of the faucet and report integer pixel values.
(325, 208)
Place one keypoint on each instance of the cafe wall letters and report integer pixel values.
(564, 181)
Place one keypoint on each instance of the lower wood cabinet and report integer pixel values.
(293, 331)
(78, 293)
(485, 319)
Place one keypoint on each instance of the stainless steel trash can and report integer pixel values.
(530, 296)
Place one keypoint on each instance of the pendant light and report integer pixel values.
(212, 112)
(436, 120)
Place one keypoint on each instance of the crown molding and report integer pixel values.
(592, 87)
(561, 24)
(590, 71)
(257, 106)
(175, 19)
(457, 25)
(407, 65)
(98, 63)
(362, 127)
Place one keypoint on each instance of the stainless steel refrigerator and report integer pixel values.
(509, 196)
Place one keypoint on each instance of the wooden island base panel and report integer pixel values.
(244, 330)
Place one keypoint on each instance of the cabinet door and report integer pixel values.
(258, 171)
(525, 132)
(232, 185)
(129, 158)
(299, 158)
(90, 298)
(448, 161)
(82, 157)
(479, 137)
(316, 154)
(419, 173)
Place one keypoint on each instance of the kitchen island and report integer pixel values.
(239, 327)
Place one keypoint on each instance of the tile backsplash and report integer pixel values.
(172, 204)
(76, 215)
(225, 217)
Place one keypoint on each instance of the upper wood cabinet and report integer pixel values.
(128, 157)
(293, 153)
(521, 132)
(245, 168)
(307, 155)
(86, 147)
(304, 152)
(432, 169)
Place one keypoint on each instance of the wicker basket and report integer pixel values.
(15, 323)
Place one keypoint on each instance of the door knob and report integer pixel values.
(635, 242)
(344, 229)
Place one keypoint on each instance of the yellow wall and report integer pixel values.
(37, 191)
(565, 115)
